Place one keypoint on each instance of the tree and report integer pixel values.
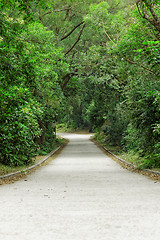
(83, 63)
(149, 10)
(31, 69)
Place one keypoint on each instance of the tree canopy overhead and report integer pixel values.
(88, 64)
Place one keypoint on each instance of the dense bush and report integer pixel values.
(29, 82)
(96, 67)
(18, 126)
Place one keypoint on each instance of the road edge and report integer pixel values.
(34, 166)
(154, 175)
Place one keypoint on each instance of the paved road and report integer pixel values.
(81, 195)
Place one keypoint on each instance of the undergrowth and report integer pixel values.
(4, 169)
(141, 162)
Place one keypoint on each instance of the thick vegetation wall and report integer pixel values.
(82, 64)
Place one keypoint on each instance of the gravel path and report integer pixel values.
(81, 195)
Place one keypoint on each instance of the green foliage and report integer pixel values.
(31, 69)
(94, 116)
(134, 55)
(18, 126)
(108, 80)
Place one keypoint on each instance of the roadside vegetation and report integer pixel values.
(131, 156)
(80, 65)
(40, 154)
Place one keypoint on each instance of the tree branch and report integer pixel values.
(154, 20)
(107, 33)
(58, 10)
(128, 60)
(68, 34)
(66, 79)
(137, 3)
(154, 14)
(78, 38)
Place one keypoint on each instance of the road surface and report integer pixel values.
(81, 195)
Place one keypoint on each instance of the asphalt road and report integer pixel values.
(81, 195)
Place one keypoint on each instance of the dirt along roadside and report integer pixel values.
(39, 162)
(154, 175)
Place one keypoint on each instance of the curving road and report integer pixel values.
(81, 195)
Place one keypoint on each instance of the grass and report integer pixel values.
(10, 169)
(7, 169)
(130, 156)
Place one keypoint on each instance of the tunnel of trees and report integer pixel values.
(86, 64)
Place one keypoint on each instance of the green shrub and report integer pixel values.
(18, 126)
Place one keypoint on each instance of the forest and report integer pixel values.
(83, 65)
